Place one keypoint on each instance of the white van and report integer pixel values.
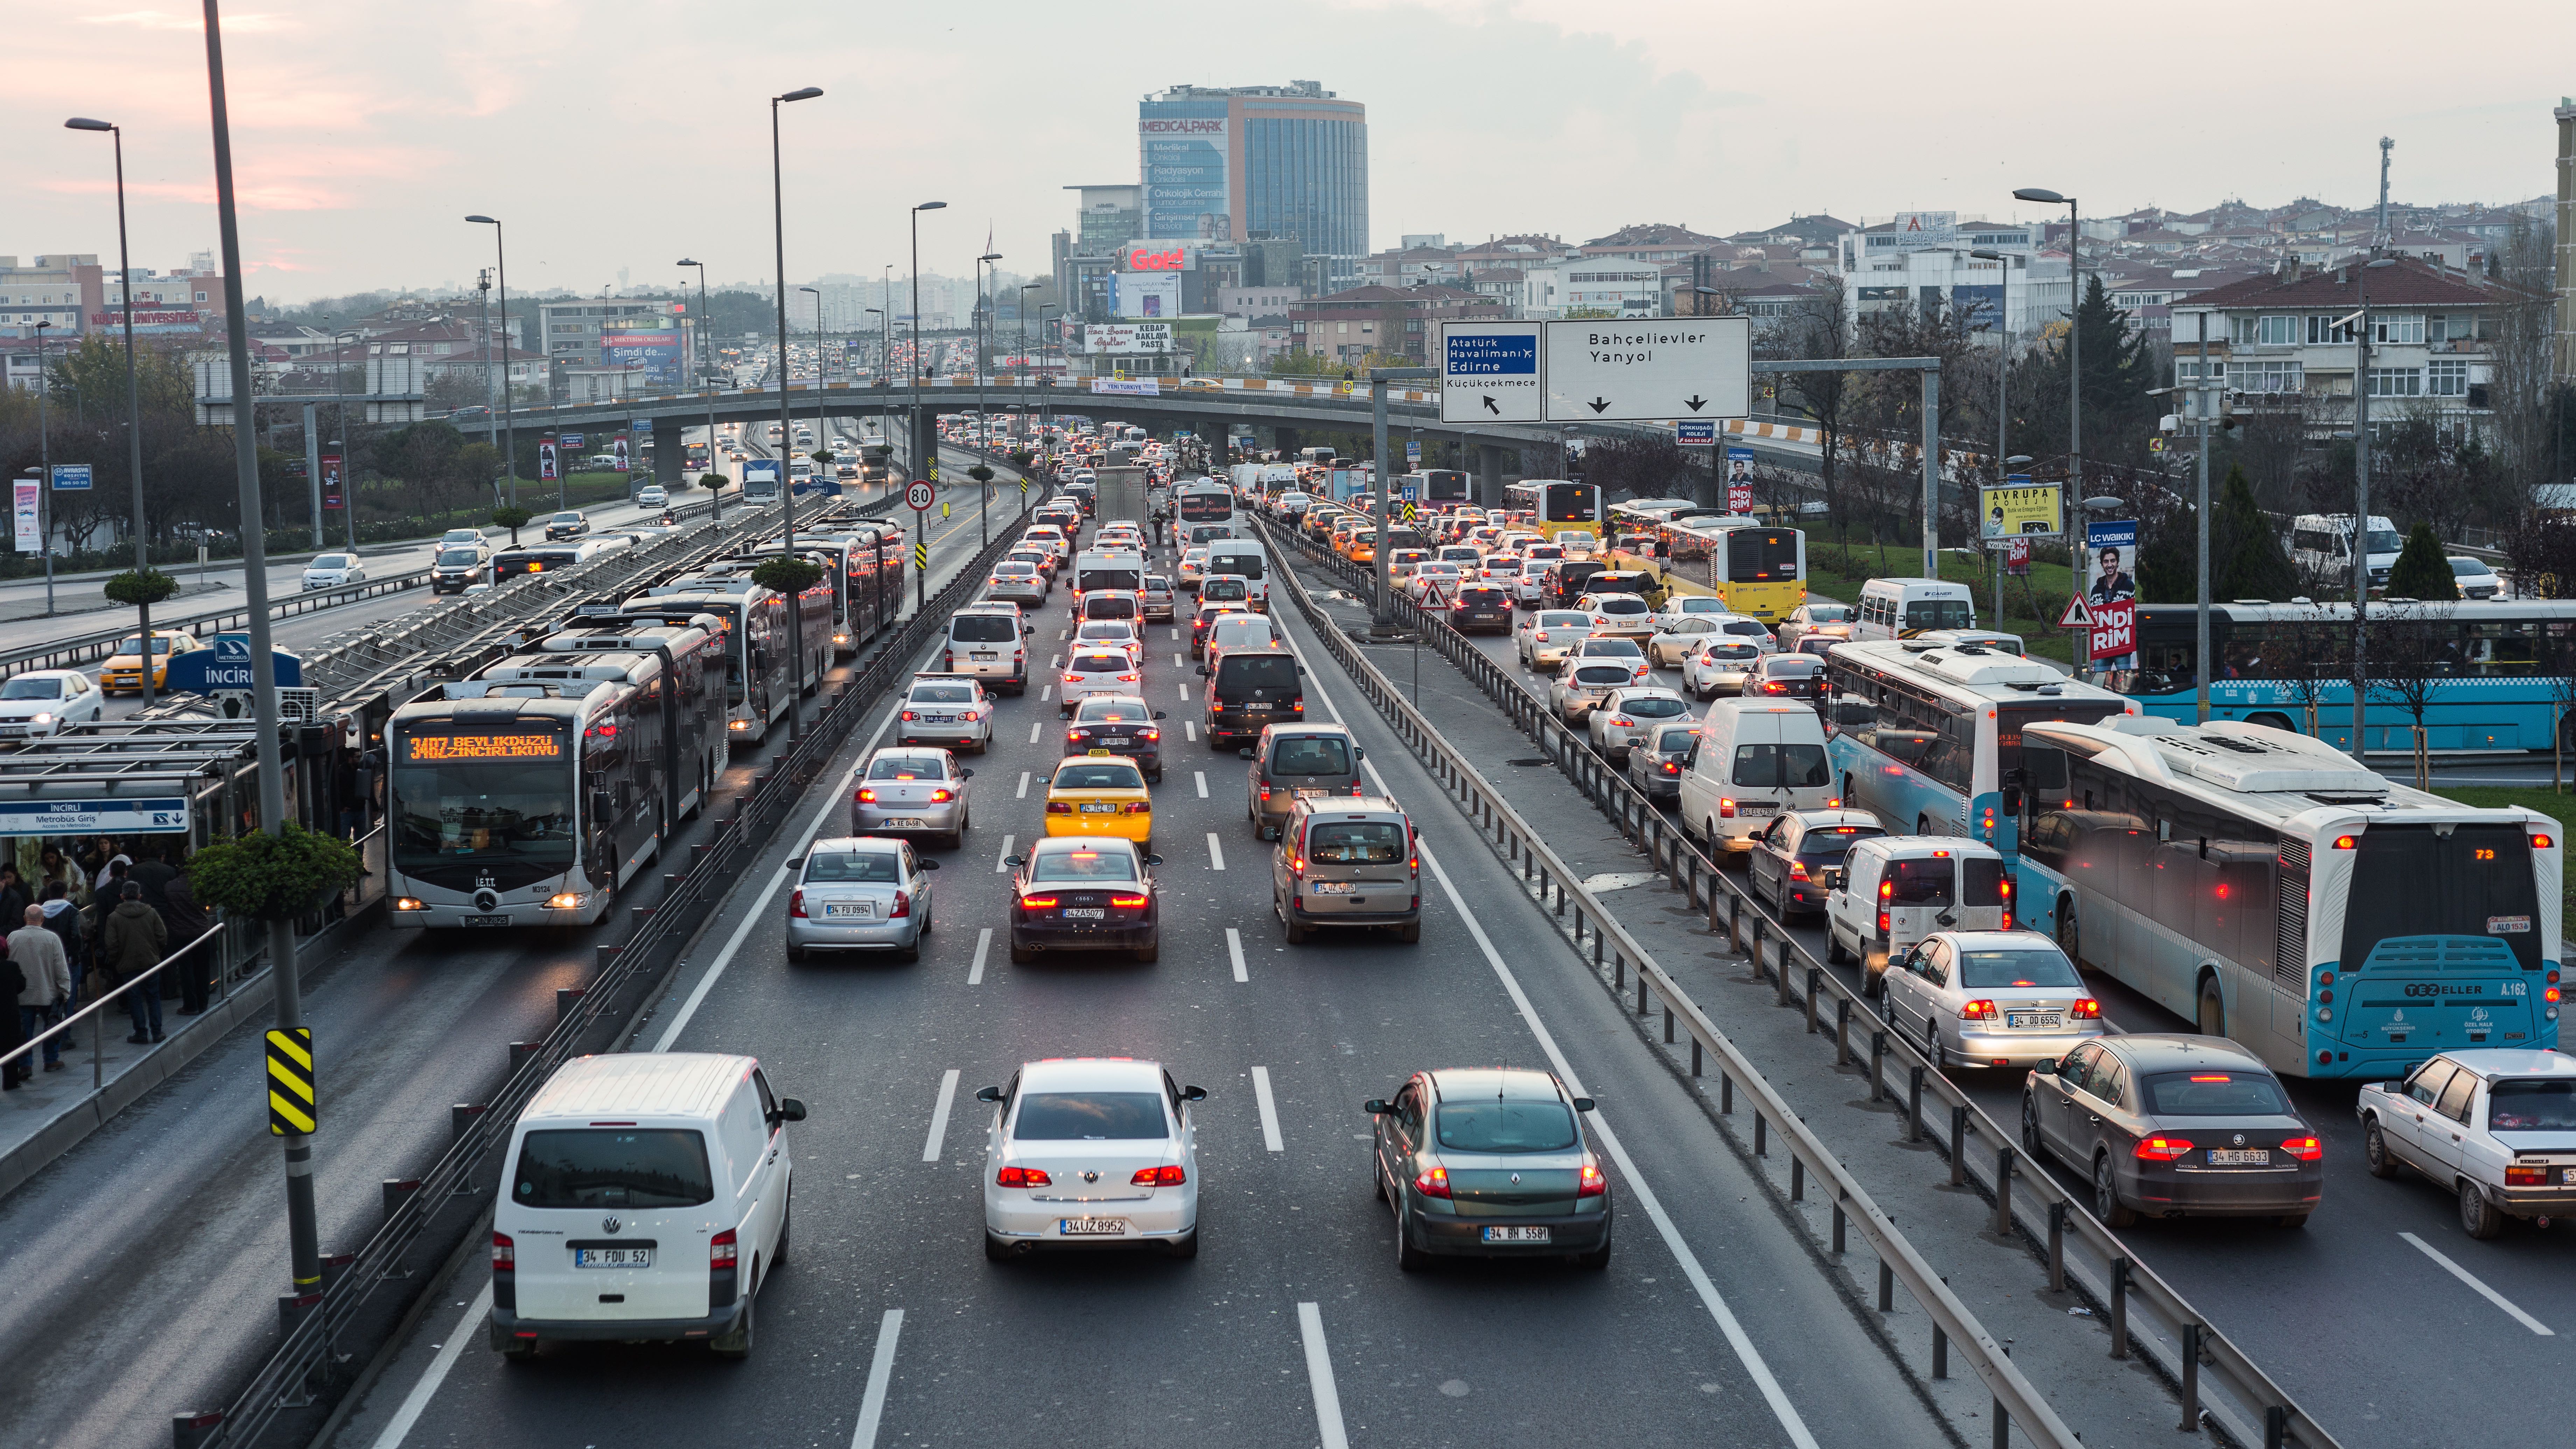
(1246, 559)
(1111, 568)
(646, 1197)
(2322, 543)
(1903, 608)
(1755, 758)
(1898, 889)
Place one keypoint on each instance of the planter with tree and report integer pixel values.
(275, 877)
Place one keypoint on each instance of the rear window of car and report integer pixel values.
(1792, 666)
(943, 693)
(1828, 614)
(1791, 767)
(1556, 619)
(1073, 865)
(1505, 1126)
(1111, 711)
(1675, 742)
(1108, 629)
(1989, 969)
(2216, 1094)
(1483, 598)
(1257, 671)
(1090, 1117)
(621, 1167)
(1734, 651)
(2532, 1105)
(1099, 776)
(1101, 664)
(983, 629)
(1109, 608)
(1601, 674)
(1653, 706)
(853, 865)
(1355, 842)
(1611, 649)
(1310, 756)
(1621, 604)
(1750, 628)
(905, 767)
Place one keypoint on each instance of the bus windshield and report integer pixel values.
(492, 799)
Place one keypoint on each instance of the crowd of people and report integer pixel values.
(92, 920)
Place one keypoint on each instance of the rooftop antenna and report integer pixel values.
(2379, 238)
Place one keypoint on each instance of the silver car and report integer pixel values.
(859, 893)
(950, 709)
(1490, 1162)
(1016, 581)
(1991, 999)
(1721, 666)
(1629, 715)
(909, 790)
(1581, 687)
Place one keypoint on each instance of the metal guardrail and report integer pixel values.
(2174, 1337)
(306, 1371)
(82, 648)
(1560, 888)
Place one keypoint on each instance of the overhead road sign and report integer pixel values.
(125, 815)
(1492, 372)
(1655, 369)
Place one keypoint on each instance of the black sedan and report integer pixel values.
(1655, 766)
(1797, 859)
(1084, 893)
(1118, 724)
(1482, 606)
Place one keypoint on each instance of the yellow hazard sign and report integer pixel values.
(921, 556)
(291, 1107)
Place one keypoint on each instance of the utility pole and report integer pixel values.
(2360, 535)
(1379, 377)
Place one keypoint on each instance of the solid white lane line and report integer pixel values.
(1035, 726)
(1745, 1350)
(1269, 1110)
(1024, 775)
(983, 946)
(880, 1372)
(1216, 852)
(467, 1329)
(1192, 727)
(1002, 861)
(1234, 948)
(939, 1114)
(1319, 1378)
(1201, 777)
(2492, 1296)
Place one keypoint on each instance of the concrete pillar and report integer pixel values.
(1287, 443)
(1489, 475)
(670, 455)
(924, 453)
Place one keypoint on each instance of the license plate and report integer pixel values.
(1095, 750)
(2567, 1176)
(1086, 913)
(1255, 707)
(1098, 807)
(1092, 1227)
(1516, 1235)
(939, 719)
(1331, 887)
(984, 656)
(487, 920)
(1755, 807)
(907, 822)
(849, 911)
(2020, 1020)
(2240, 1157)
(612, 1257)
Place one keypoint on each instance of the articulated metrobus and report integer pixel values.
(2262, 885)
(1926, 736)
(1557, 505)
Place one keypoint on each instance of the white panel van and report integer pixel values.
(1903, 608)
(1755, 758)
(1898, 889)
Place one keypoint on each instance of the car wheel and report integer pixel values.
(1290, 930)
(1148, 955)
(737, 1344)
(2291, 1221)
(1408, 1258)
(795, 953)
(2213, 1009)
(786, 1224)
(2374, 1151)
(2070, 936)
(997, 1251)
(1596, 1260)
(1021, 955)
(2106, 1197)
(2479, 1218)
(1184, 1246)
(911, 951)
(1409, 933)
(1835, 955)
(2031, 1146)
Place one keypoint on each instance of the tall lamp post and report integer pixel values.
(133, 396)
(786, 430)
(822, 439)
(983, 420)
(340, 415)
(925, 467)
(2361, 502)
(45, 489)
(883, 341)
(509, 422)
(2074, 329)
(1024, 370)
(706, 364)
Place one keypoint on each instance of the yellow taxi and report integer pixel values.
(1100, 795)
(1361, 546)
(124, 669)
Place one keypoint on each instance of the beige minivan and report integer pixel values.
(1291, 762)
(1347, 862)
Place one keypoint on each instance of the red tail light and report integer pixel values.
(1022, 1177)
(1149, 734)
(909, 715)
(942, 796)
(1886, 890)
(1037, 903)
(1077, 732)
(722, 1251)
(1593, 1183)
(1774, 689)
(1434, 1182)
(1137, 807)
(2086, 1007)
(1623, 721)
(796, 903)
(505, 1254)
(1882, 923)
(1265, 794)
(1797, 870)
(1172, 1176)
(1058, 807)
(2309, 1149)
(1978, 1010)
(1132, 903)
(902, 905)
(1725, 809)
(2163, 1149)
(867, 797)
(2540, 842)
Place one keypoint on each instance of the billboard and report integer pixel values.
(1916, 230)
(2019, 509)
(657, 352)
(331, 481)
(1980, 306)
(1127, 337)
(1739, 480)
(1162, 256)
(1149, 294)
(23, 506)
(1182, 156)
(2111, 587)
(162, 321)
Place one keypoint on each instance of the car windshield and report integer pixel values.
(332, 561)
(943, 694)
(983, 629)
(1101, 664)
(26, 688)
(1506, 1126)
(2465, 567)
(2016, 968)
(455, 557)
(612, 1168)
(2534, 1104)
(1098, 776)
(1653, 707)
(905, 767)
(1090, 1117)
(853, 865)
(1111, 711)
(2216, 1094)
(565, 518)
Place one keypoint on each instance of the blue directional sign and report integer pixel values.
(128, 816)
(1408, 493)
(1696, 433)
(227, 665)
(71, 477)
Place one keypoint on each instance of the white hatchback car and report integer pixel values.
(1106, 669)
(1630, 715)
(1112, 634)
(1091, 1152)
(332, 570)
(42, 701)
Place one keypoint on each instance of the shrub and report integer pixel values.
(274, 877)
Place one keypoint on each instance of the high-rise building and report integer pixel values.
(1223, 164)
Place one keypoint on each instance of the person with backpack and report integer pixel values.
(131, 941)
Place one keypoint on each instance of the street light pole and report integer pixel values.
(509, 421)
(924, 444)
(786, 424)
(133, 391)
(45, 487)
(706, 364)
(2074, 328)
(983, 422)
(2361, 505)
(822, 439)
(1380, 470)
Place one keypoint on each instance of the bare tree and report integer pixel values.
(1819, 328)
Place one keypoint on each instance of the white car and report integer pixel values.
(1112, 634)
(2497, 1126)
(1990, 999)
(1677, 639)
(42, 701)
(1529, 586)
(1087, 1151)
(2477, 579)
(1089, 671)
(1831, 621)
(652, 495)
(1546, 637)
(946, 709)
(1747, 628)
(331, 570)
(1679, 606)
(1629, 715)
(1432, 574)
(1720, 666)
(1597, 649)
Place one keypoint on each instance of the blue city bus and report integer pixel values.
(1925, 736)
(2265, 887)
(2289, 666)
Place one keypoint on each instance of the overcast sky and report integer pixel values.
(626, 135)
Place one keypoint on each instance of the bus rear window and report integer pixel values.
(1573, 503)
(2476, 882)
(1761, 555)
(1981, 882)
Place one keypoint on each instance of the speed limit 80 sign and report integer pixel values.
(920, 496)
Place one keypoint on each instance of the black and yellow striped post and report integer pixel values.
(921, 556)
(293, 1110)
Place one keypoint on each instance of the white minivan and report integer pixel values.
(1902, 608)
(1247, 560)
(1898, 889)
(646, 1197)
(1755, 758)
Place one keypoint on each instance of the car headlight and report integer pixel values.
(42, 719)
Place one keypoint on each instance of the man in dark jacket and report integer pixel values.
(153, 873)
(187, 921)
(13, 982)
(132, 941)
(14, 899)
(64, 920)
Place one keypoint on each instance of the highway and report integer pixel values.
(1293, 1325)
(160, 1241)
(2376, 1252)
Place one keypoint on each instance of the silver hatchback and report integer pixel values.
(859, 893)
(911, 790)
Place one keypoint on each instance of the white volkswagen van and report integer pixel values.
(1898, 889)
(1903, 608)
(1755, 758)
(645, 1198)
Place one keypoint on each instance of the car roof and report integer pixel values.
(2152, 1051)
(1071, 760)
(1316, 730)
(1512, 1084)
(2516, 1062)
(637, 1084)
(1997, 940)
(1647, 691)
(1091, 1074)
(853, 842)
(909, 752)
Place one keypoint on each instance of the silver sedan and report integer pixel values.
(1991, 999)
(859, 893)
(1016, 581)
(912, 790)
(952, 709)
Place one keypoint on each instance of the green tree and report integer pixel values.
(512, 518)
(2246, 557)
(139, 590)
(274, 877)
(2422, 570)
(980, 473)
(2118, 370)
(787, 575)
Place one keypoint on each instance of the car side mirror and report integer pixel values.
(794, 862)
(1193, 1094)
(1158, 714)
(2044, 1067)
(965, 774)
(929, 864)
(1244, 754)
(790, 1110)
(1301, 669)
(2012, 799)
(1584, 1104)
(1375, 1107)
(1359, 752)
(988, 1094)
(1028, 628)
(1015, 861)
(1153, 860)
(1202, 671)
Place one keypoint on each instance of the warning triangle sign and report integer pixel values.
(2077, 616)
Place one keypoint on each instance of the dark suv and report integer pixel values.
(1294, 760)
(1251, 689)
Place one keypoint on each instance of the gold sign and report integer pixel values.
(449, 749)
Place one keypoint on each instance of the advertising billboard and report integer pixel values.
(331, 481)
(657, 352)
(1739, 480)
(1182, 158)
(547, 468)
(1978, 306)
(2018, 508)
(1127, 337)
(23, 506)
(1151, 295)
(1162, 256)
(1918, 229)
(2111, 587)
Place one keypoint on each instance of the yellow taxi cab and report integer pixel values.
(124, 669)
(1100, 795)
(1361, 547)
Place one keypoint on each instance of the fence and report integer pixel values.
(2146, 1315)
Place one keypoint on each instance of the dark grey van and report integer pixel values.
(1293, 760)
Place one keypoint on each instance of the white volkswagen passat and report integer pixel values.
(1091, 1152)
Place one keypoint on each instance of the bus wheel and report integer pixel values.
(2213, 1008)
(2069, 939)
(2273, 721)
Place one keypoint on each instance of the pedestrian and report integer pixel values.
(13, 980)
(152, 873)
(186, 921)
(63, 918)
(39, 954)
(131, 942)
(13, 893)
(54, 865)
(344, 792)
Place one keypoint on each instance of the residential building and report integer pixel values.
(1256, 302)
(1655, 242)
(1411, 266)
(1110, 217)
(58, 289)
(1394, 321)
(1218, 163)
(569, 331)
